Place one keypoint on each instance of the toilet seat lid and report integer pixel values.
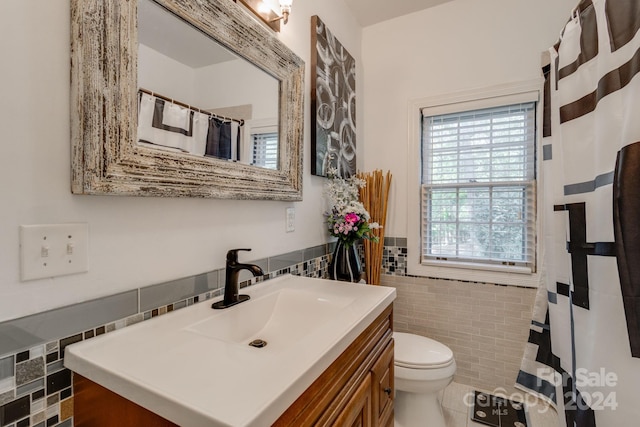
(418, 352)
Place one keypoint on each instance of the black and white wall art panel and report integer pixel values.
(333, 104)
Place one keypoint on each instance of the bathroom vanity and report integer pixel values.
(328, 360)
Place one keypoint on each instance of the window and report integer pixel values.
(265, 150)
(478, 186)
(260, 142)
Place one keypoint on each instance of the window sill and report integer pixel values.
(472, 272)
(479, 266)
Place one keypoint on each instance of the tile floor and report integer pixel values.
(456, 410)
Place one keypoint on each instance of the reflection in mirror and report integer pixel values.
(197, 97)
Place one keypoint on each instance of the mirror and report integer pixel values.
(197, 97)
(107, 156)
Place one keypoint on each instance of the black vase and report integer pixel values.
(345, 264)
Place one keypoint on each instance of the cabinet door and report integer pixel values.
(357, 412)
(383, 387)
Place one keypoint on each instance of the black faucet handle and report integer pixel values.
(232, 254)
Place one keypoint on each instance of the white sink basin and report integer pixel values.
(279, 318)
(194, 366)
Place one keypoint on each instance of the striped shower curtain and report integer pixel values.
(583, 354)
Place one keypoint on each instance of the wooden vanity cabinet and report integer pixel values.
(356, 390)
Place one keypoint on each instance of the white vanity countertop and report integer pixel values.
(194, 366)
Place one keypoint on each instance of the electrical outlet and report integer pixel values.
(52, 250)
(291, 220)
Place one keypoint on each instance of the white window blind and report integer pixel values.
(478, 186)
(265, 150)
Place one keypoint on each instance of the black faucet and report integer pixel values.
(231, 296)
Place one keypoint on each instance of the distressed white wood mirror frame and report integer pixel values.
(105, 157)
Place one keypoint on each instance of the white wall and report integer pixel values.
(166, 76)
(216, 91)
(133, 241)
(459, 45)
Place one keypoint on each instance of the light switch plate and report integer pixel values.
(291, 220)
(50, 250)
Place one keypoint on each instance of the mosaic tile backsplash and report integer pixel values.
(394, 256)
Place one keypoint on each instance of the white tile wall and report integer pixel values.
(486, 326)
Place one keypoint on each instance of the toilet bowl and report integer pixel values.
(423, 367)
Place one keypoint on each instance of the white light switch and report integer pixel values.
(52, 250)
(291, 220)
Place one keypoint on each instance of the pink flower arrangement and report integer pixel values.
(349, 227)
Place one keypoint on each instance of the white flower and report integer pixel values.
(343, 194)
(343, 197)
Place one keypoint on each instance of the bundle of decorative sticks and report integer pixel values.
(374, 196)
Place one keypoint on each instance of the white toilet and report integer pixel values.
(423, 367)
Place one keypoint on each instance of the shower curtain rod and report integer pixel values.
(182, 104)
